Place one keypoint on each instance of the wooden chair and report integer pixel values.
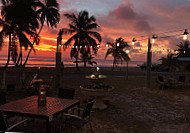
(3, 123)
(3, 99)
(161, 82)
(181, 80)
(66, 93)
(80, 122)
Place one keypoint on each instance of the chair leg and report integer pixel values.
(81, 130)
(91, 127)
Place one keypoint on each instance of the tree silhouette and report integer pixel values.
(170, 61)
(49, 12)
(83, 38)
(117, 52)
(184, 49)
(18, 20)
(86, 57)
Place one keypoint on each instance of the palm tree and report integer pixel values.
(14, 33)
(170, 61)
(86, 57)
(81, 27)
(74, 53)
(19, 18)
(117, 52)
(48, 12)
(184, 49)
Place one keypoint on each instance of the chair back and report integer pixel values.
(2, 98)
(181, 79)
(66, 93)
(3, 124)
(87, 109)
(160, 79)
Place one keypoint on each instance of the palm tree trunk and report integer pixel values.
(27, 56)
(20, 55)
(32, 48)
(17, 63)
(113, 65)
(85, 64)
(77, 64)
(9, 50)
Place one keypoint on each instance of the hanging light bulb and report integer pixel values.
(184, 52)
(73, 46)
(85, 46)
(98, 46)
(117, 44)
(91, 46)
(154, 37)
(127, 51)
(133, 41)
(107, 45)
(80, 46)
(185, 34)
(76, 46)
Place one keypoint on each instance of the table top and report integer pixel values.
(29, 106)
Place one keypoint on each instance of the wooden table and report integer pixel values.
(28, 107)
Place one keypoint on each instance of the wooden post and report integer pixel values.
(127, 71)
(149, 62)
(58, 64)
(4, 78)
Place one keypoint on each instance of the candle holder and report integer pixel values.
(42, 97)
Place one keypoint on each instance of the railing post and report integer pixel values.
(58, 64)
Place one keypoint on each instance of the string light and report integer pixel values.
(98, 45)
(127, 51)
(117, 44)
(155, 36)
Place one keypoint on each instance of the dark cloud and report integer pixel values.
(173, 42)
(125, 11)
(128, 14)
(136, 51)
(138, 44)
(106, 39)
(143, 26)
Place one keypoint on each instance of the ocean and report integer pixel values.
(50, 62)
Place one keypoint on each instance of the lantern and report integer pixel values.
(42, 97)
(185, 34)
(133, 41)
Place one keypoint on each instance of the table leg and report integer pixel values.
(78, 106)
(48, 126)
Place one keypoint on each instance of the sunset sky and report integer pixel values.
(125, 18)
